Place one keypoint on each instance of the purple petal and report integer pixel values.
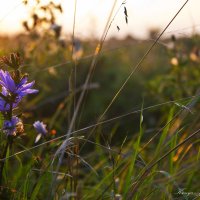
(9, 126)
(7, 81)
(3, 105)
(27, 91)
(31, 91)
(4, 91)
(40, 127)
(22, 82)
(10, 82)
(3, 78)
(28, 85)
(2, 75)
(2, 83)
(15, 120)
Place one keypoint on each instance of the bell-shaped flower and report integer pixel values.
(10, 126)
(6, 101)
(41, 129)
(20, 89)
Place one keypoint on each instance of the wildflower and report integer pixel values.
(12, 92)
(20, 89)
(6, 101)
(41, 129)
(11, 127)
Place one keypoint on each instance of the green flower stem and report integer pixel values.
(3, 161)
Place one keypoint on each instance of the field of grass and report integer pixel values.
(112, 119)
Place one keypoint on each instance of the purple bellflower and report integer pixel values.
(5, 101)
(13, 92)
(40, 127)
(10, 126)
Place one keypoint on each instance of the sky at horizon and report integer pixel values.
(92, 16)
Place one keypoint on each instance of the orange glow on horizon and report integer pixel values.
(92, 16)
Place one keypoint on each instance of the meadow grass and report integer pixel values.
(149, 152)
